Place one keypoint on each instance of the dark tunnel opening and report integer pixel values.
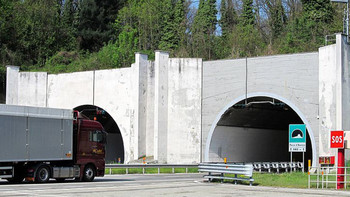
(256, 130)
(114, 146)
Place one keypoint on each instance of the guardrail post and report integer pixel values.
(110, 170)
(235, 180)
(126, 170)
(222, 175)
(173, 170)
(322, 179)
(327, 178)
(318, 173)
(345, 177)
(143, 170)
(309, 179)
(186, 170)
(158, 170)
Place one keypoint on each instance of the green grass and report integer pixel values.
(291, 180)
(150, 170)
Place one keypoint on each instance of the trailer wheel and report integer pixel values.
(89, 173)
(42, 174)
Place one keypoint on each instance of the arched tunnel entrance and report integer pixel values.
(256, 130)
(114, 146)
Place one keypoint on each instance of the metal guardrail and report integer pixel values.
(277, 166)
(229, 168)
(326, 177)
(143, 166)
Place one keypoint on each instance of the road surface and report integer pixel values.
(154, 185)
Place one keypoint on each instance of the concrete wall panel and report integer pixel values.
(32, 88)
(113, 93)
(70, 90)
(184, 112)
(223, 81)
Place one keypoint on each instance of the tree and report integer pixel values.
(203, 29)
(169, 39)
(69, 21)
(247, 17)
(228, 18)
(37, 24)
(126, 46)
(174, 30)
(96, 19)
(245, 38)
(306, 33)
(277, 18)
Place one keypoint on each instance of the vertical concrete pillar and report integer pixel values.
(140, 103)
(161, 106)
(12, 85)
(334, 92)
(150, 110)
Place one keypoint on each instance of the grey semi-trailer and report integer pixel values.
(37, 144)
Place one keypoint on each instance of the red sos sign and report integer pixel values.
(337, 139)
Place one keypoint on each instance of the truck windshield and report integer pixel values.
(97, 136)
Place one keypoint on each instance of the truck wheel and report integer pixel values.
(42, 174)
(89, 173)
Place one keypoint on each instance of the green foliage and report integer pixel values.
(76, 35)
(126, 47)
(277, 18)
(169, 40)
(247, 17)
(306, 33)
(247, 41)
(203, 29)
(96, 19)
(229, 18)
(174, 30)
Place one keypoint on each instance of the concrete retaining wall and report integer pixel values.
(135, 97)
(292, 79)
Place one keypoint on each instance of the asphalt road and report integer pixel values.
(153, 185)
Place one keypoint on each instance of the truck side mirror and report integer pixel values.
(75, 115)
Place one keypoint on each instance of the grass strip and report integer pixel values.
(150, 170)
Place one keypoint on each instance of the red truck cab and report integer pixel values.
(90, 148)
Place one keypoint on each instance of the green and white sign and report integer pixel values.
(297, 138)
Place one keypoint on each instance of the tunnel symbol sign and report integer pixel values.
(297, 138)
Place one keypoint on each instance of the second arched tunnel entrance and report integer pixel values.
(256, 130)
(114, 146)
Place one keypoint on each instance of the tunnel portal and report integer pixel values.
(256, 130)
(114, 146)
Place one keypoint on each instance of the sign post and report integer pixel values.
(337, 141)
(297, 140)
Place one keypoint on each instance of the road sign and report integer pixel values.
(297, 138)
(337, 139)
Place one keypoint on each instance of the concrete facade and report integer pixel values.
(169, 109)
(292, 79)
(142, 112)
